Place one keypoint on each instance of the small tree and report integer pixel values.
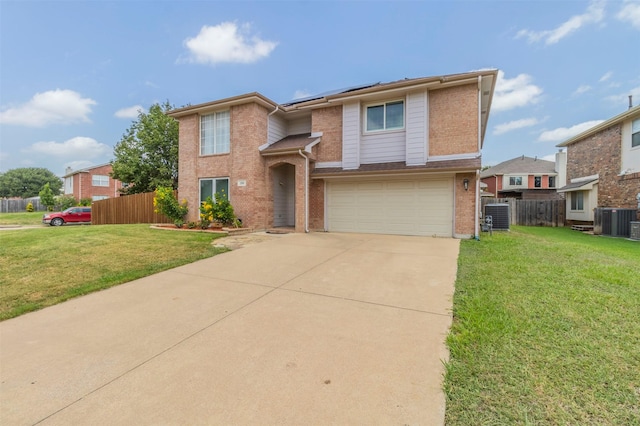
(46, 197)
(165, 202)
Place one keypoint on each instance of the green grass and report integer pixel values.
(23, 218)
(546, 330)
(42, 267)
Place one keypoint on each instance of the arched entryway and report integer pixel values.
(283, 178)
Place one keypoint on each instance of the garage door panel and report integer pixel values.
(394, 206)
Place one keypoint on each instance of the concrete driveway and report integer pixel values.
(319, 328)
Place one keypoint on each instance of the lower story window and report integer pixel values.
(99, 197)
(577, 200)
(212, 187)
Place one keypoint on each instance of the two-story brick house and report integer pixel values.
(526, 178)
(399, 158)
(92, 182)
(603, 166)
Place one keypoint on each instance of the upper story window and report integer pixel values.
(515, 180)
(385, 116)
(100, 180)
(552, 181)
(215, 133)
(635, 133)
(537, 181)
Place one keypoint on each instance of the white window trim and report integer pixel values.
(100, 182)
(637, 120)
(214, 179)
(575, 193)
(516, 184)
(214, 113)
(384, 103)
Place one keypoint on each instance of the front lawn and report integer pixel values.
(42, 267)
(22, 218)
(546, 330)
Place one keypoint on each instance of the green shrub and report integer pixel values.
(85, 202)
(219, 211)
(165, 202)
(29, 207)
(63, 202)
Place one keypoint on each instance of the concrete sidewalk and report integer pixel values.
(302, 329)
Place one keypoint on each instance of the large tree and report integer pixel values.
(27, 182)
(147, 155)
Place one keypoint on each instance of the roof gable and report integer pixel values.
(522, 165)
(630, 114)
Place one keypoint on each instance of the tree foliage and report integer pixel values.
(27, 182)
(46, 196)
(147, 155)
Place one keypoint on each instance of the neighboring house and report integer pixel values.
(92, 182)
(603, 166)
(526, 178)
(396, 158)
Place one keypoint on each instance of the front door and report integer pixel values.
(284, 195)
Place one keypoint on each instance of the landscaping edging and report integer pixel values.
(228, 231)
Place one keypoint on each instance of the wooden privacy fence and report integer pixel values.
(128, 209)
(17, 205)
(533, 212)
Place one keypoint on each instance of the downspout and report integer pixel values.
(477, 237)
(306, 191)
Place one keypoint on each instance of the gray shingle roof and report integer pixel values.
(523, 165)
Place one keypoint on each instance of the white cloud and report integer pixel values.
(606, 76)
(622, 99)
(582, 89)
(515, 92)
(593, 14)
(227, 43)
(514, 125)
(78, 147)
(301, 94)
(52, 107)
(129, 112)
(630, 12)
(550, 157)
(563, 133)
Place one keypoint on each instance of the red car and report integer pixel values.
(70, 215)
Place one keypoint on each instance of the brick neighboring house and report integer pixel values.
(603, 166)
(526, 178)
(91, 182)
(397, 158)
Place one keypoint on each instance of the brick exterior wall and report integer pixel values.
(329, 122)
(466, 210)
(83, 184)
(601, 154)
(453, 120)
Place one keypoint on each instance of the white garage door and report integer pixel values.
(392, 206)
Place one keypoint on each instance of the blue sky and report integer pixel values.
(73, 74)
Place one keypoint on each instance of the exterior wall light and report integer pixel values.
(466, 184)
